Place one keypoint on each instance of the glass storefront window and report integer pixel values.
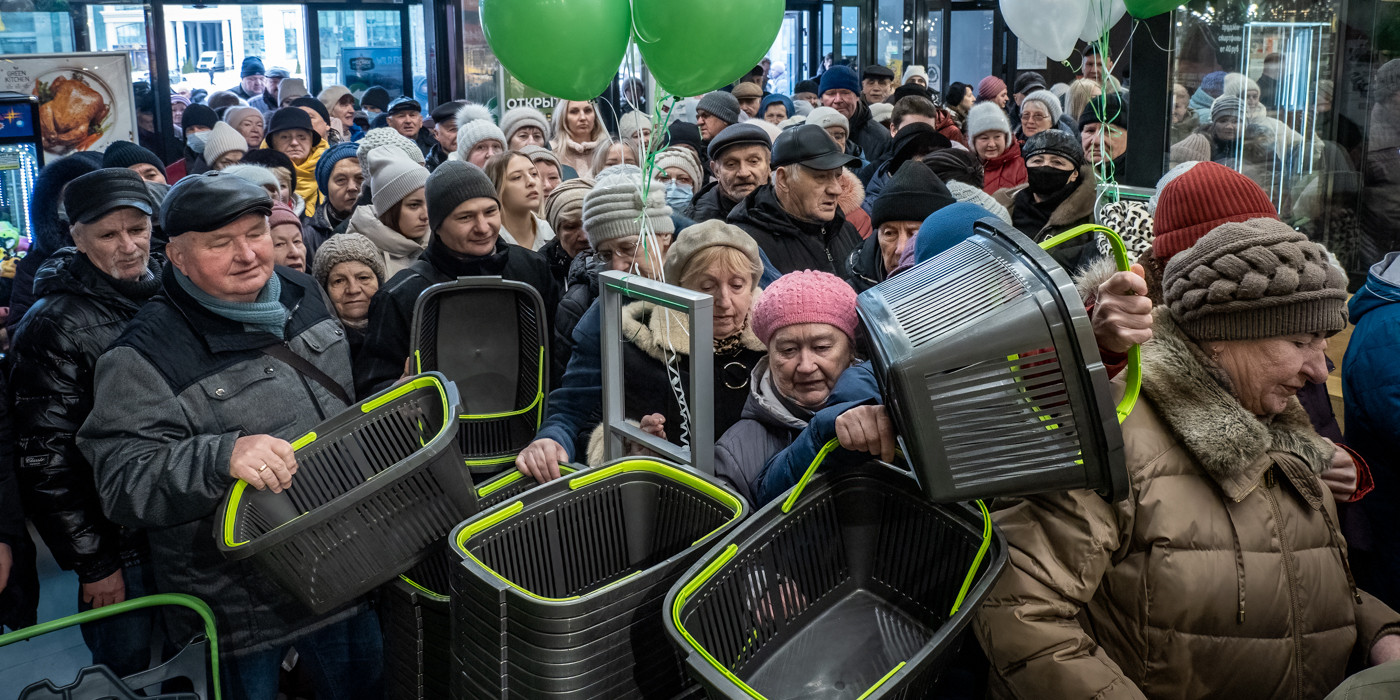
(361, 49)
(935, 49)
(208, 43)
(890, 48)
(786, 57)
(970, 55)
(420, 53)
(119, 28)
(35, 32)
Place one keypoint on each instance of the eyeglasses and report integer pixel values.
(625, 252)
(1036, 117)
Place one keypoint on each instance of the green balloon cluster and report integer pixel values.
(1142, 9)
(573, 48)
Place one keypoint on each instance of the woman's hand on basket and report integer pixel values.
(541, 460)
(263, 461)
(867, 429)
(1122, 312)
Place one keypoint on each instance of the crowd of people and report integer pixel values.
(178, 323)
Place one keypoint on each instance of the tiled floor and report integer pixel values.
(58, 655)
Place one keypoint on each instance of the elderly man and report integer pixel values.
(910, 197)
(406, 117)
(465, 217)
(739, 161)
(267, 101)
(1103, 132)
(228, 362)
(88, 295)
(796, 220)
(444, 133)
(840, 90)
(715, 112)
(876, 84)
(250, 78)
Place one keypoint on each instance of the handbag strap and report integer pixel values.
(308, 370)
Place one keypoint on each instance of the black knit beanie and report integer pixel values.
(911, 195)
(124, 154)
(198, 115)
(451, 184)
(1054, 142)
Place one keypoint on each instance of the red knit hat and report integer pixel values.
(990, 87)
(1198, 201)
(805, 296)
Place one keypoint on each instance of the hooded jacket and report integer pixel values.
(399, 252)
(580, 289)
(1222, 574)
(766, 426)
(793, 245)
(54, 355)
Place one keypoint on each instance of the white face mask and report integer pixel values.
(677, 195)
(197, 140)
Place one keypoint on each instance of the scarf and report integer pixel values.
(266, 314)
(455, 264)
(306, 178)
(1030, 217)
(139, 290)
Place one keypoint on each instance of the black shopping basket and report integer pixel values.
(854, 586)
(414, 612)
(489, 336)
(197, 662)
(558, 591)
(376, 487)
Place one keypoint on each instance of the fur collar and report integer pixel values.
(852, 192)
(646, 325)
(1232, 445)
(1079, 204)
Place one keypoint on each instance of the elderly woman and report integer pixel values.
(349, 267)
(679, 170)
(1040, 111)
(807, 321)
(563, 212)
(577, 132)
(989, 134)
(247, 121)
(1223, 574)
(1059, 195)
(292, 134)
(518, 190)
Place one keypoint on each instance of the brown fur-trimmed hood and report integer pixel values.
(646, 325)
(852, 192)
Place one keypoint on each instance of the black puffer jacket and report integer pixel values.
(793, 245)
(80, 312)
(580, 290)
(559, 262)
(873, 138)
(867, 265)
(710, 203)
(19, 601)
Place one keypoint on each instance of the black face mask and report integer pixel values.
(1045, 180)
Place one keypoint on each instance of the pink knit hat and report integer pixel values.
(282, 214)
(990, 87)
(807, 296)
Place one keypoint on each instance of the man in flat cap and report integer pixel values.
(230, 360)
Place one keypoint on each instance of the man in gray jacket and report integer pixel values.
(196, 395)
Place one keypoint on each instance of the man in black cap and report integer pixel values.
(406, 117)
(88, 293)
(738, 158)
(251, 75)
(1025, 84)
(876, 83)
(374, 101)
(807, 90)
(267, 101)
(444, 133)
(1103, 133)
(910, 196)
(465, 218)
(125, 154)
(227, 363)
(796, 220)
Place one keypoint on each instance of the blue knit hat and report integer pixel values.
(775, 97)
(333, 155)
(946, 228)
(840, 78)
(252, 65)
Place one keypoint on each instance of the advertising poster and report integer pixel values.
(85, 99)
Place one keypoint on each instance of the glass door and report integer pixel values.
(361, 49)
(787, 59)
(206, 44)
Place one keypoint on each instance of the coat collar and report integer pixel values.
(1233, 446)
(649, 326)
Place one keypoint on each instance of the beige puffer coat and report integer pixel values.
(1223, 575)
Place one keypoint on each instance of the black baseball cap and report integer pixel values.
(404, 104)
(90, 197)
(810, 145)
(742, 134)
(209, 201)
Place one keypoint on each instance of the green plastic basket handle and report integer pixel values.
(1120, 256)
(986, 521)
(176, 599)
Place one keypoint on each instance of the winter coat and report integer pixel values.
(399, 252)
(172, 396)
(54, 354)
(437, 156)
(50, 232)
(710, 203)
(580, 289)
(850, 201)
(1222, 575)
(1076, 210)
(867, 265)
(387, 338)
(765, 428)
(318, 228)
(1004, 171)
(647, 384)
(558, 260)
(873, 138)
(543, 234)
(791, 244)
(19, 601)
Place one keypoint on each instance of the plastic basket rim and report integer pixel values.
(586, 477)
(718, 556)
(229, 516)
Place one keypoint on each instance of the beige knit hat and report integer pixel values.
(683, 158)
(222, 139)
(707, 235)
(631, 124)
(393, 176)
(613, 209)
(345, 247)
(1257, 279)
(566, 201)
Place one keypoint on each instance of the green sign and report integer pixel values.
(517, 94)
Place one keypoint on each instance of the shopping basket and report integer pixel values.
(559, 590)
(197, 662)
(854, 586)
(414, 613)
(988, 364)
(489, 336)
(376, 487)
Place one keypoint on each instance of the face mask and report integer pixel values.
(1045, 180)
(197, 140)
(677, 195)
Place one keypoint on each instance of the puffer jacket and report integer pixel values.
(867, 265)
(399, 252)
(580, 289)
(173, 394)
(791, 244)
(19, 601)
(873, 138)
(54, 354)
(765, 428)
(1222, 575)
(1005, 170)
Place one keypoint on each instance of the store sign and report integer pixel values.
(518, 94)
(366, 67)
(1230, 41)
(85, 100)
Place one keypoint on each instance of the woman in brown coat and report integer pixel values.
(1223, 574)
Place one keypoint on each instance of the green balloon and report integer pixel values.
(695, 46)
(564, 48)
(1142, 9)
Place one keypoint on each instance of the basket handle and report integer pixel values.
(1120, 256)
(807, 475)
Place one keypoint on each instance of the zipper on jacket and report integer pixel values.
(1292, 583)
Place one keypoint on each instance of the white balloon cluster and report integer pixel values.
(1053, 27)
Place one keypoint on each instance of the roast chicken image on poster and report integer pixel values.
(71, 113)
(85, 99)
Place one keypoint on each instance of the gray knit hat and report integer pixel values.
(454, 182)
(1048, 99)
(392, 176)
(474, 125)
(706, 235)
(1257, 279)
(1226, 105)
(683, 158)
(523, 116)
(385, 136)
(612, 209)
(565, 203)
(539, 153)
(346, 247)
(984, 117)
(722, 105)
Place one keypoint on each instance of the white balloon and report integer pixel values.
(1051, 27)
(1103, 15)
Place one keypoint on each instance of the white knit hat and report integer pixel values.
(912, 71)
(826, 116)
(386, 136)
(331, 96)
(881, 112)
(683, 158)
(474, 125)
(221, 140)
(631, 124)
(256, 174)
(393, 176)
(611, 210)
(984, 117)
(1052, 104)
(519, 117)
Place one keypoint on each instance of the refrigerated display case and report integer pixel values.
(21, 156)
